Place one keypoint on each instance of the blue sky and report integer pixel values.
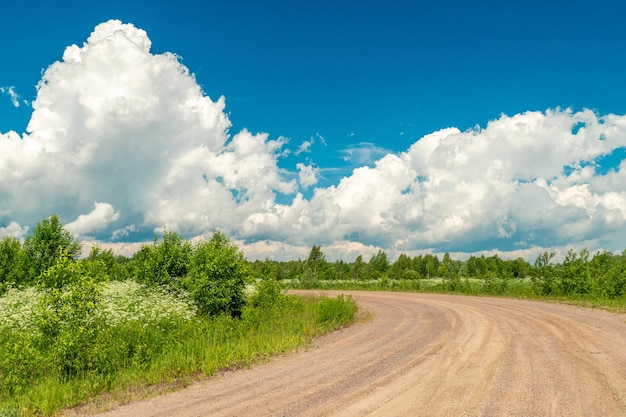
(356, 81)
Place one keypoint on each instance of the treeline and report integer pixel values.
(214, 272)
(211, 272)
(602, 275)
(427, 266)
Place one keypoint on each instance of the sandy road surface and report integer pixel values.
(431, 355)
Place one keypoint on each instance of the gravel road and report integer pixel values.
(430, 355)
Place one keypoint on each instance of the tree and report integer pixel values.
(164, 262)
(316, 261)
(379, 264)
(402, 264)
(429, 265)
(543, 274)
(448, 267)
(113, 267)
(11, 262)
(48, 241)
(357, 268)
(519, 268)
(216, 277)
(576, 273)
(342, 270)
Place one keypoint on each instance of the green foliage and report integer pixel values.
(67, 309)
(358, 268)
(315, 264)
(82, 328)
(309, 279)
(46, 244)
(216, 277)
(379, 264)
(12, 263)
(575, 274)
(579, 277)
(337, 312)
(142, 336)
(267, 293)
(403, 264)
(163, 263)
(115, 268)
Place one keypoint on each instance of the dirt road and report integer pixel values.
(431, 355)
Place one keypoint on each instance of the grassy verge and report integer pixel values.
(512, 288)
(137, 357)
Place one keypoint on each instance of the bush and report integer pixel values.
(337, 312)
(12, 263)
(165, 262)
(267, 293)
(88, 328)
(70, 298)
(216, 279)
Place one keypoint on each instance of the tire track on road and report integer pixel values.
(434, 355)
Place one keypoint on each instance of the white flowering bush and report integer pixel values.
(129, 301)
(17, 310)
(96, 327)
(121, 302)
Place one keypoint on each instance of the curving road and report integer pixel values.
(431, 355)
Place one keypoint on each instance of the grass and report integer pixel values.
(146, 342)
(512, 288)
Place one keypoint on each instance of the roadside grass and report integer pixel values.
(510, 288)
(146, 342)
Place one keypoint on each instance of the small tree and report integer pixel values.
(165, 262)
(48, 241)
(70, 296)
(11, 263)
(216, 278)
(316, 262)
(379, 264)
(543, 274)
(358, 268)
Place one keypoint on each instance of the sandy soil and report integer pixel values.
(431, 355)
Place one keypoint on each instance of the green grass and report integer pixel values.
(145, 342)
(511, 288)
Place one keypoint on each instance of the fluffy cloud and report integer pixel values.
(522, 183)
(307, 175)
(14, 229)
(102, 215)
(117, 126)
(123, 142)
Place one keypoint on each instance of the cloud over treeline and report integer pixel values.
(122, 140)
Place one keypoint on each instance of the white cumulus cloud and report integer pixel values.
(14, 229)
(102, 215)
(123, 142)
(114, 123)
(307, 174)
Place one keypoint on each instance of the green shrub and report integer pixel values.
(66, 312)
(12, 263)
(216, 279)
(267, 293)
(337, 312)
(165, 262)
